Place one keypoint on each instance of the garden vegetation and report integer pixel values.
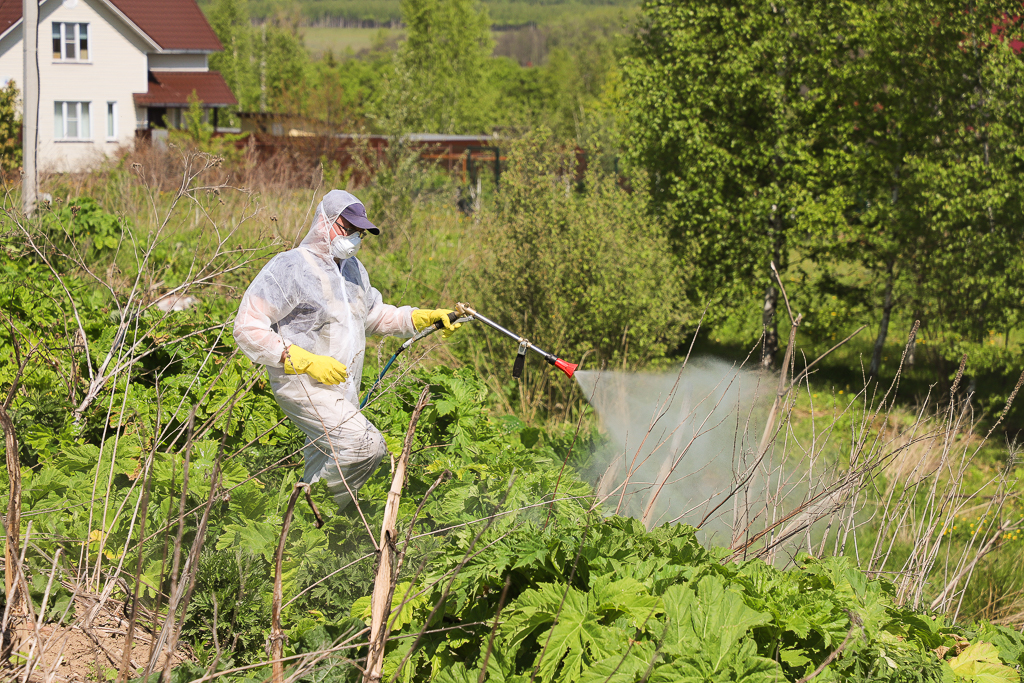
(833, 167)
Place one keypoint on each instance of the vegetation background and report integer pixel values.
(830, 169)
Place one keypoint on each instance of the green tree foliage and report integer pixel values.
(973, 284)
(442, 79)
(438, 79)
(722, 103)
(340, 95)
(569, 93)
(929, 138)
(877, 154)
(198, 132)
(269, 70)
(259, 63)
(10, 129)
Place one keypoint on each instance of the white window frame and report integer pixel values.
(111, 126)
(83, 135)
(64, 25)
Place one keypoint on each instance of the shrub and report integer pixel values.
(84, 228)
(10, 129)
(579, 270)
(231, 603)
(198, 133)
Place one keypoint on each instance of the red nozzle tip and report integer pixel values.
(567, 368)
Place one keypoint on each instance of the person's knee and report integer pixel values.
(344, 481)
(375, 447)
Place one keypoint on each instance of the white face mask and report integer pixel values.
(343, 247)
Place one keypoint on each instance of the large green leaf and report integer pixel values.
(258, 538)
(711, 621)
(980, 663)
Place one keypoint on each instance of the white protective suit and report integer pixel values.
(305, 297)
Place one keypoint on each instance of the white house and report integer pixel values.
(109, 68)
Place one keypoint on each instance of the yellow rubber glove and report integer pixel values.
(422, 318)
(323, 369)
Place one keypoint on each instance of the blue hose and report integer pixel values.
(428, 331)
(376, 384)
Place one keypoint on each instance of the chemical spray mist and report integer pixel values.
(677, 440)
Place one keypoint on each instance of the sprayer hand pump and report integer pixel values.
(524, 344)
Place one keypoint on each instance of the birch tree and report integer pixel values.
(723, 106)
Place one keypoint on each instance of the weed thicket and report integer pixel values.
(506, 563)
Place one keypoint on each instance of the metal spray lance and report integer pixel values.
(524, 344)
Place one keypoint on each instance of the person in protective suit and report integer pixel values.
(306, 316)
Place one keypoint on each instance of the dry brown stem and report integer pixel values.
(276, 633)
(12, 525)
(384, 585)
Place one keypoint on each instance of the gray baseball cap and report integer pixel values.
(339, 202)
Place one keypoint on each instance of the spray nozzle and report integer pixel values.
(567, 368)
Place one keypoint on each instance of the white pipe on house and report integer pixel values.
(30, 99)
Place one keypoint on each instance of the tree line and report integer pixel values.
(442, 78)
(869, 149)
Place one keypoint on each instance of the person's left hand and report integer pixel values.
(422, 318)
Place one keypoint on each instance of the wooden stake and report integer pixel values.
(384, 585)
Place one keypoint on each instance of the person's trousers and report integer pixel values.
(342, 447)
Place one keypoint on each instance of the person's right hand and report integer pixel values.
(423, 318)
(323, 369)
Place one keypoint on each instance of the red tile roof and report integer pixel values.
(171, 24)
(10, 12)
(172, 89)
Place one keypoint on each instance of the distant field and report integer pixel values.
(528, 45)
(343, 40)
(502, 12)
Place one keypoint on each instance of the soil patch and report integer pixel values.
(75, 651)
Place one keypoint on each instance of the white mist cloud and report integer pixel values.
(677, 437)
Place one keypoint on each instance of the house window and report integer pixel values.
(111, 120)
(71, 121)
(70, 42)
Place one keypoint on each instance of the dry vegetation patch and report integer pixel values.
(82, 649)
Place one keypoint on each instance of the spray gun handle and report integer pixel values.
(452, 317)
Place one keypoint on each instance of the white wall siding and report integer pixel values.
(115, 70)
(11, 58)
(178, 62)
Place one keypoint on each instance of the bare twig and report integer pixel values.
(12, 524)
